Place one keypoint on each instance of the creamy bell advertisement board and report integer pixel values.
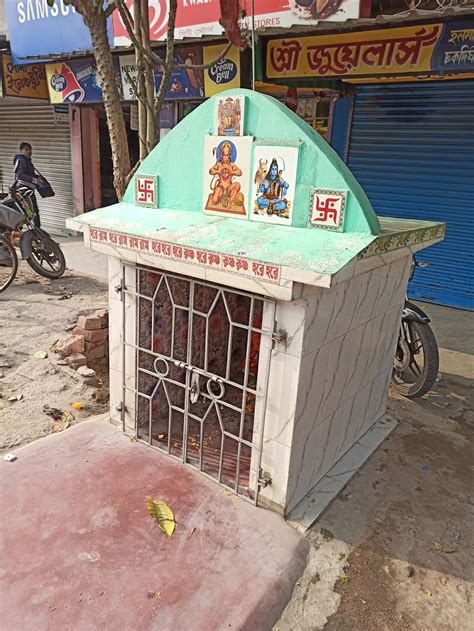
(225, 73)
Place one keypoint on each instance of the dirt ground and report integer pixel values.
(395, 549)
(34, 314)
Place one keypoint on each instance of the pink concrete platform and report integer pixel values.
(79, 550)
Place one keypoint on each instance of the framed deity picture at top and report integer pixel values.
(227, 175)
(229, 116)
(273, 183)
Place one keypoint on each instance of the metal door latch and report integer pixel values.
(120, 408)
(279, 337)
(265, 479)
(120, 288)
(194, 390)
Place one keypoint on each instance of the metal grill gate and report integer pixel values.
(202, 355)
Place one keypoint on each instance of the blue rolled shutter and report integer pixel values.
(412, 149)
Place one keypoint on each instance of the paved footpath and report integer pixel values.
(79, 550)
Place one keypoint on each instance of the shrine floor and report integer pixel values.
(79, 549)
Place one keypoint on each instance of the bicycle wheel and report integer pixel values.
(8, 263)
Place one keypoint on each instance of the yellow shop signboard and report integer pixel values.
(225, 73)
(26, 81)
(389, 51)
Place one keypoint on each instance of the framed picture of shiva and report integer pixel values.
(227, 175)
(273, 182)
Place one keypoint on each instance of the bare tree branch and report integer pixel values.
(128, 22)
(169, 59)
(110, 9)
(132, 173)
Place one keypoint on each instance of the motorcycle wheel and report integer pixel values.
(46, 257)
(416, 361)
(8, 263)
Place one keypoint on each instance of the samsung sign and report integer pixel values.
(39, 31)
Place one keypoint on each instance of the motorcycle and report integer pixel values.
(37, 247)
(416, 364)
(8, 263)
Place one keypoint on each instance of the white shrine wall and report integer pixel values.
(328, 383)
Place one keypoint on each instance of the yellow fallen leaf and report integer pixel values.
(442, 547)
(76, 405)
(162, 514)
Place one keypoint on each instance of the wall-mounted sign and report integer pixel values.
(193, 19)
(274, 183)
(128, 75)
(61, 114)
(227, 175)
(414, 49)
(259, 270)
(146, 190)
(75, 81)
(327, 209)
(38, 30)
(185, 83)
(196, 18)
(286, 13)
(134, 117)
(230, 114)
(225, 73)
(455, 49)
(26, 81)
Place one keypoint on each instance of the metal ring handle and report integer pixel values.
(167, 367)
(212, 394)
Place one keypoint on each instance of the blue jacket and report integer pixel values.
(24, 169)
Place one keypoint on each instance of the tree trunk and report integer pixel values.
(141, 88)
(97, 25)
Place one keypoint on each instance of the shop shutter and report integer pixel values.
(412, 150)
(34, 123)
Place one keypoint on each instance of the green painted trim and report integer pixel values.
(388, 242)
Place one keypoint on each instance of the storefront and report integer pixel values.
(73, 84)
(26, 115)
(189, 87)
(405, 118)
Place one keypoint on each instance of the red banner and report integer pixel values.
(195, 18)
